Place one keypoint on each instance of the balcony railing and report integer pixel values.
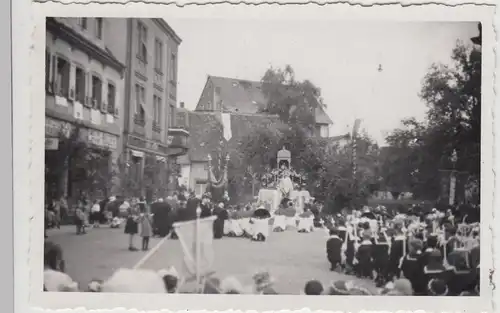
(178, 140)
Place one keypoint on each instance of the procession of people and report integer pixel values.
(430, 252)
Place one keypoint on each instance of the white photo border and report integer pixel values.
(28, 130)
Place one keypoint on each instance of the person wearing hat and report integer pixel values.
(54, 278)
(397, 250)
(230, 285)
(338, 288)
(170, 279)
(313, 288)
(364, 255)
(462, 278)
(437, 287)
(400, 287)
(412, 266)
(381, 257)
(206, 206)
(264, 284)
(430, 245)
(334, 249)
(218, 225)
(434, 268)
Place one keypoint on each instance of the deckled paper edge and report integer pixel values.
(30, 160)
(364, 3)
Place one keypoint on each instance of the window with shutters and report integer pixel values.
(140, 100)
(80, 85)
(158, 55)
(173, 68)
(62, 77)
(82, 22)
(111, 98)
(96, 92)
(142, 41)
(99, 24)
(156, 113)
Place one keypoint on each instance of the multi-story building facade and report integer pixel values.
(84, 82)
(149, 49)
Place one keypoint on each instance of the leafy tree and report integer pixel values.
(292, 100)
(418, 151)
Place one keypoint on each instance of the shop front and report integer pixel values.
(78, 160)
(150, 168)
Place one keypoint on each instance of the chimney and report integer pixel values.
(181, 105)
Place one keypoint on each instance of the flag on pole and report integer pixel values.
(355, 128)
(226, 126)
(186, 231)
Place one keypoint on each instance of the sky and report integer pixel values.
(341, 58)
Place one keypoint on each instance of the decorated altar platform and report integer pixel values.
(273, 197)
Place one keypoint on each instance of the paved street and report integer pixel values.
(96, 254)
(292, 258)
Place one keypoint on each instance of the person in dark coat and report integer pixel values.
(412, 267)
(434, 268)
(179, 213)
(334, 249)
(462, 278)
(161, 218)
(206, 207)
(381, 258)
(131, 226)
(218, 225)
(452, 242)
(189, 212)
(158, 217)
(431, 244)
(437, 287)
(364, 256)
(101, 216)
(395, 255)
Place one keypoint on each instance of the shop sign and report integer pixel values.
(55, 127)
(51, 143)
(101, 139)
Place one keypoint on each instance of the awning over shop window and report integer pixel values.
(137, 154)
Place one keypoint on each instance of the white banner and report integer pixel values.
(95, 117)
(226, 126)
(78, 110)
(187, 233)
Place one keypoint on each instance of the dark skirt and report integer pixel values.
(131, 227)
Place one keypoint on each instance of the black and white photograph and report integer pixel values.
(276, 157)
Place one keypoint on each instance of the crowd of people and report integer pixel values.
(416, 253)
(436, 252)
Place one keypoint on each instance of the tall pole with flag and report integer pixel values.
(354, 141)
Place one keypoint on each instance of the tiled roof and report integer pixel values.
(206, 131)
(240, 96)
(244, 96)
